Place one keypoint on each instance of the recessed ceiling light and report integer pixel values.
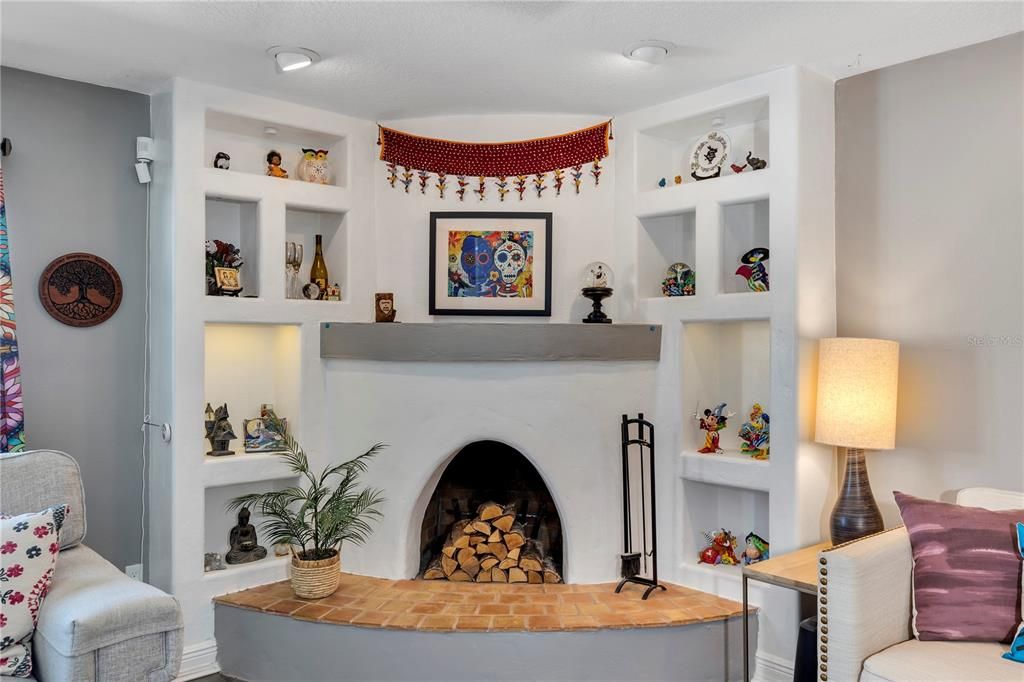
(292, 58)
(649, 51)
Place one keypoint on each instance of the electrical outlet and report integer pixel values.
(134, 571)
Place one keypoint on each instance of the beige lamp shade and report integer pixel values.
(857, 381)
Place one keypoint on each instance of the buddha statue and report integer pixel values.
(244, 547)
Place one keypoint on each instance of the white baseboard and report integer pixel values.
(771, 668)
(198, 660)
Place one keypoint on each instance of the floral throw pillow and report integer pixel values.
(1016, 652)
(28, 553)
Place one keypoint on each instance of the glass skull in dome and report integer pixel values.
(509, 260)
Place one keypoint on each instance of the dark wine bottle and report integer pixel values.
(318, 272)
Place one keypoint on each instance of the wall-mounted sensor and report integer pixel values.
(143, 148)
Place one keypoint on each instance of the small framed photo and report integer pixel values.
(227, 279)
(490, 263)
(258, 438)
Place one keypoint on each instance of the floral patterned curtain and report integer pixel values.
(12, 415)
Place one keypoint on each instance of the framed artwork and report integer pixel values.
(490, 263)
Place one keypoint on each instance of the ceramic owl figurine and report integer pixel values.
(314, 166)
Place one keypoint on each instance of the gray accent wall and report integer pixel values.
(70, 186)
(929, 252)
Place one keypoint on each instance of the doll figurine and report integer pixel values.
(756, 550)
(754, 433)
(274, 169)
(711, 423)
(721, 549)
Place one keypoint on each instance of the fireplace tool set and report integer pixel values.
(639, 523)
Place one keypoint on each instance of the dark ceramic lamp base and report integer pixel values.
(855, 514)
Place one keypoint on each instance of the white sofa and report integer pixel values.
(97, 624)
(865, 610)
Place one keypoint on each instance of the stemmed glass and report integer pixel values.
(293, 261)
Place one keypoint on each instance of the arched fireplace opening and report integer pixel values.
(490, 471)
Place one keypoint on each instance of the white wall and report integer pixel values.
(929, 250)
(582, 225)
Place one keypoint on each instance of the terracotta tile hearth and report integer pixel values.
(470, 607)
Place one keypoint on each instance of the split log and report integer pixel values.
(498, 549)
(495, 536)
(550, 574)
(514, 553)
(534, 577)
(505, 522)
(480, 527)
(461, 542)
(488, 563)
(475, 540)
(516, 575)
(460, 576)
(464, 554)
(448, 565)
(483, 576)
(471, 566)
(498, 576)
(489, 510)
(449, 550)
(531, 560)
(508, 563)
(515, 537)
(434, 571)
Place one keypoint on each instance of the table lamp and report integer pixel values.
(857, 381)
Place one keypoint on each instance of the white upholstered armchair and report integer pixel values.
(865, 611)
(96, 623)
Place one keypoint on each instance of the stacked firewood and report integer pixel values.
(491, 548)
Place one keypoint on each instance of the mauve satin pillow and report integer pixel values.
(967, 572)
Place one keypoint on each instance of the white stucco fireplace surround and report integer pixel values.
(563, 416)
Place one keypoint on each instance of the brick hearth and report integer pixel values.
(470, 607)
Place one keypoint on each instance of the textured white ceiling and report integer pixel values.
(390, 60)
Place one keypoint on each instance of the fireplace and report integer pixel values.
(482, 472)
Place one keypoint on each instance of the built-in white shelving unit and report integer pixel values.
(260, 348)
(727, 343)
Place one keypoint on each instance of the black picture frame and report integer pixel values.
(436, 309)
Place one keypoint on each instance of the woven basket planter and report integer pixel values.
(316, 579)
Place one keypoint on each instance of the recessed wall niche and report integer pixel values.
(302, 226)
(237, 222)
(662, 241)
(249, 365)
(248, 140)
(745, 226)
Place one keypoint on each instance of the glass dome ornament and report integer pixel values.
(597, 286)
(597, 274)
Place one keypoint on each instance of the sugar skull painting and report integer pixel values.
(495, 263)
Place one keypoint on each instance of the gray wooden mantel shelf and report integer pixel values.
(489, 342)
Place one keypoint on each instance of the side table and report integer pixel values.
(797, 570)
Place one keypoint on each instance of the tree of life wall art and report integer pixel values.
(490, 263)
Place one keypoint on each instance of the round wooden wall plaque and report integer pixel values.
(80, 289)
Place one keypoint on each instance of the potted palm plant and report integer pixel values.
(317, 516)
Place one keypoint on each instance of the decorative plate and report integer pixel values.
(709, 155)
(80, 289)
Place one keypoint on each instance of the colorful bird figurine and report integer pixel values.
(313, 167)
(753, 269)
(737, 169)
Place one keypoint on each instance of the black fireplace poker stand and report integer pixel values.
(633, 560)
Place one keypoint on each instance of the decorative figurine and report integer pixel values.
(711, 423)
(274, 169)
(597, 280)
(755, 163)
(709, 154)
(753, 269)
(222, 161)
(737, 169)
(244, 547)
(213, 561)
(662, 182)
(311, 291)
(314, 166)
(258, 438)
(754, 433)
(756, 550)
(333, 292)
(678, 179)
(384, 307)
(218, 431)
(721, 549)
(223, 262)
(282, 549)
(679, 280)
